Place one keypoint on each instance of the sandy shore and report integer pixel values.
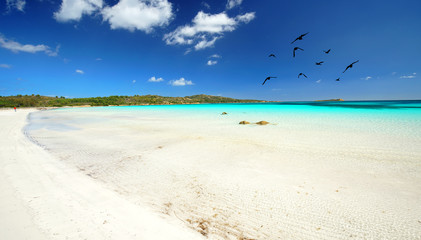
(306, 177)
(41, 198)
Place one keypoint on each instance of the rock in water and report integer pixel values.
(262, 123)
(244, 122)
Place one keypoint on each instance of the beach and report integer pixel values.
(189, 172)
(42, 198)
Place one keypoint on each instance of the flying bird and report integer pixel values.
(299, 38)
(350, 65)
(272, 55)
(295, 49)
(338, 79)
(268, 78)
(302, 74)
(319, 63)
(327, 52)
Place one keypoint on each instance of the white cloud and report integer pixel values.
(98, 59)
(80, 71)
(206, 29)
(72, 10)
(410, 76)
(5, 66)
(319, 81)
(215, 56)
(181, 82)
(212, 62)
(18, 4)
(245, 18)
(154, 79)
(233, 3)
(206, 5)
(134, 81)
(367, 78)
(187, 51)
(29, 48)
(141, 15)
(204, 43)
(394, 73)
(132, 15)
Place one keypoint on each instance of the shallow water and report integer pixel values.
(319, 170)
(401, 118)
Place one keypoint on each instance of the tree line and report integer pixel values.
(45, 101)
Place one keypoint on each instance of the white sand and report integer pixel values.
(42, 198)
(294, 180)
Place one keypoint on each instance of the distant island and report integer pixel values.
(44, 101)
(331, 100)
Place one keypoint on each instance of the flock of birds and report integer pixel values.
(317, 63)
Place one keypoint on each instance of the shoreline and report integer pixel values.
(116, 174)
(313, 175)
(42, 198)
(339, 100)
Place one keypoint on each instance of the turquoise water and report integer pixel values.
(400, 118)
(393, 110)
(404, 106)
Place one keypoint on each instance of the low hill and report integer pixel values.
(331, 100)
(44, 101)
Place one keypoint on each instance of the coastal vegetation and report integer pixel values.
(45, 101)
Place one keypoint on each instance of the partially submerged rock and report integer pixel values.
(224, 113)
(244, 122)
(262, 123)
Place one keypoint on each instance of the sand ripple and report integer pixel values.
(251, 182)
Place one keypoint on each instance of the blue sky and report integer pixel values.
(86, 48)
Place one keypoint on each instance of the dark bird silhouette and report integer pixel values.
(327, 52)
(319, 63)
(350, 65)
(272, 55)
(299, 38)
(302, 74)
(338, 79)
(295, 49)
(268, 78)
